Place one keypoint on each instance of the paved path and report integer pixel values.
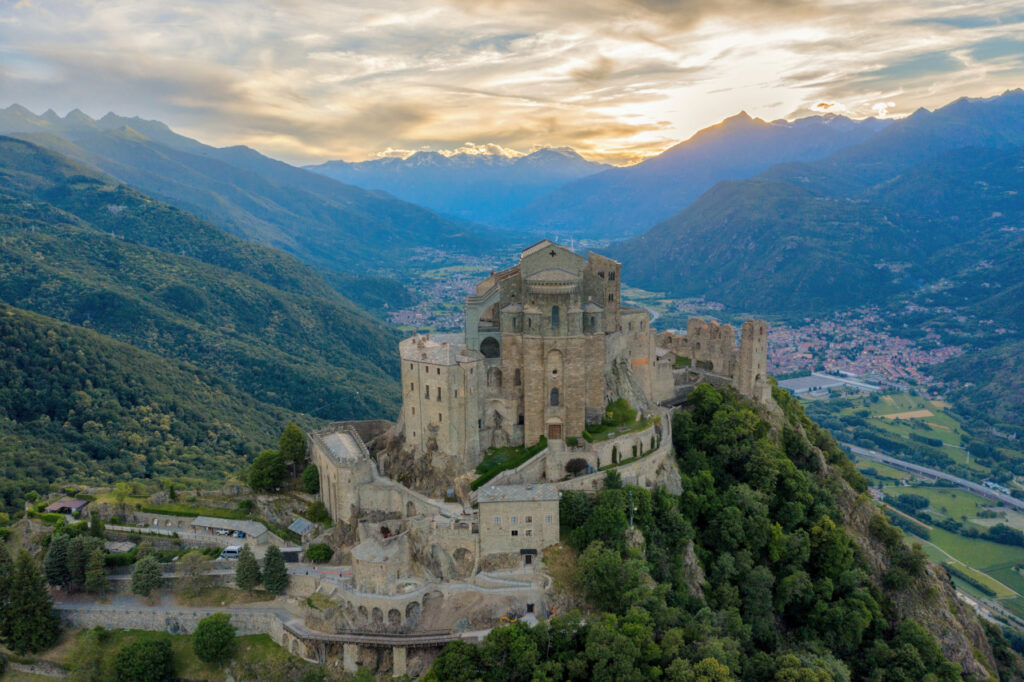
(977, 488)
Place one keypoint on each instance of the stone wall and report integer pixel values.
(173, 621)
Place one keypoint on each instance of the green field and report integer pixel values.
(881, 469)
(949, 502)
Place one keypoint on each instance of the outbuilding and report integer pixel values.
(253, 531)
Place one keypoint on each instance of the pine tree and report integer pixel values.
(292, 447)
(56, 563)
(247, 572)
(275, 573)
(6, 573)
(95, 525)
(146, 577)
(33, 625)
(96, 573)
(77, 556)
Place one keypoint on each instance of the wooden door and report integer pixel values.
(554, 432)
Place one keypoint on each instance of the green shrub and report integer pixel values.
(319, 553)
(317, 512)
(214, 639)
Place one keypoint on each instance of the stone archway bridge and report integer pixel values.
(317, 643)
(282, 626)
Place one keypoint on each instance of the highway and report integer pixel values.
(977, 488)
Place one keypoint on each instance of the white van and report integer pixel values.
(231, 552)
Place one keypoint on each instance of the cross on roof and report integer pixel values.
(551, 253)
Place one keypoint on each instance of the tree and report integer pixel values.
(193, 567)
(267, 470)
(247, 572)
(293, 446)
(311, 479)
(575, 465)
(612, 480)
(146, 577)
(214, 639)
(33, 624)
(95, 525)
(275, 573)
(96, 573)
(79, 549)
(317, 512)
(145, 660)
(56, 563)
(121, 493)
(319, 553)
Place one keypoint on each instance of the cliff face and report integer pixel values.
(929, 599)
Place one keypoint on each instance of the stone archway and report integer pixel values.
(394, 618)
(378, 616)
(413, 611)
(364, 615)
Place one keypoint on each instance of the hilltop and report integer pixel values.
(80, 247)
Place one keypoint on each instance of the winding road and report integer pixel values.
(935, 473)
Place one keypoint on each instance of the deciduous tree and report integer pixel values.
(214, 639)
(292, 447)
(146, 577)
(146, 660)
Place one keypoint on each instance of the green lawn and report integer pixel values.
(950, 502)
(250, 649)
(976, 552)
(881, 469)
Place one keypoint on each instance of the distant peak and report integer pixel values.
(50, 115)
(78, 116)
(18, 109)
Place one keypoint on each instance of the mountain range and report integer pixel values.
(334, 227)
(481, 187)
(622, 202)
(872, 220)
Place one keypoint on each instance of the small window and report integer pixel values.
(414, 410)
(439, 370)
(611, 276)
(426, 392)
(438, 394)
(611, 298)
(554, 317)
(515, 520)
(528, 519)
(529, 322)
(601, 275)
(412, 386)
(497, 520)
(440, 417)
(547, 519)
(630, 326)
(518, 378)
(456, 393)
(515, 533)
(410, 365)
(522, 420)
(554, 397)
(529, 533)
(479, 423)
(413, 434)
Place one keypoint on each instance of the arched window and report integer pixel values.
(490, 347)
(554, 317)
(554, 397)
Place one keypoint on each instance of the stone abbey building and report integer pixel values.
(548, 343)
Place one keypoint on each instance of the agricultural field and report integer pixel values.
(912, 420)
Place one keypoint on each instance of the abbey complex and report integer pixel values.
(548, 347)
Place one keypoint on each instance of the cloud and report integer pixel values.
(308, 80)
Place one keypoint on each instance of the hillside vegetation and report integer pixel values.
(870, 221)
(79, 247)
(769, 566)
(76, 405)
(322, 222)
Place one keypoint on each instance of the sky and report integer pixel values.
(617, 80)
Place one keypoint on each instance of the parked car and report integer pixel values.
(223, 532)
(239, 533)
(230, 552)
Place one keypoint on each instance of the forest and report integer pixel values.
(749, 574)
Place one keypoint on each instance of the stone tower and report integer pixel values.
(751, 375)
